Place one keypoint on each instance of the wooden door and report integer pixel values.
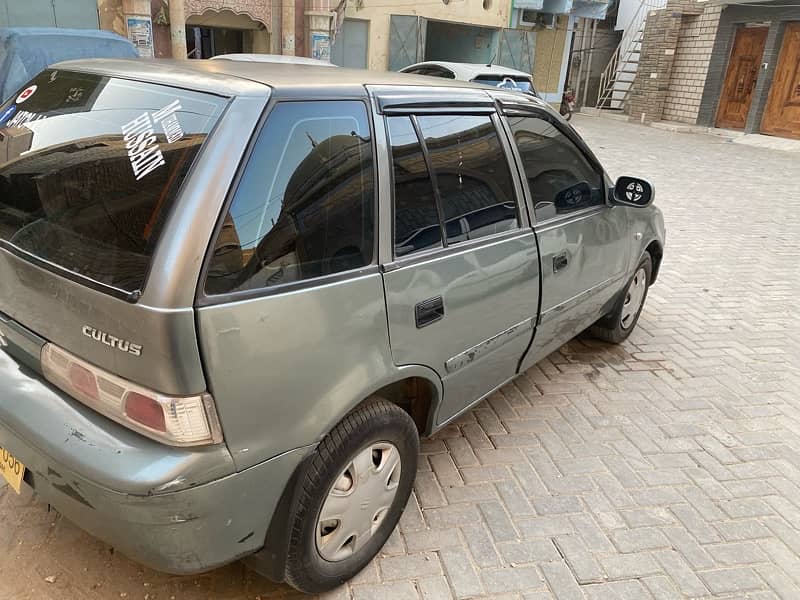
(782, 115)
(741, 78)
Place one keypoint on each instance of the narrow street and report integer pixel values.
(667, 467)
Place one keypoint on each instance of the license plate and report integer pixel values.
(11, 470)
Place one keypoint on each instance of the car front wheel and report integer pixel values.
(353, 492)
(618, 325)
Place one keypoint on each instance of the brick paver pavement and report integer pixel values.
(667, 467)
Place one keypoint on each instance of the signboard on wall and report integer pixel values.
(321, 45)
(140, 32)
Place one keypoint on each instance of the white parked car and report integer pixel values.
(491, 75)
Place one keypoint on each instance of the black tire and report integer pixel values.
(374, 421)
(609, 328)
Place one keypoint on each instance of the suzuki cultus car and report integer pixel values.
(233, 295)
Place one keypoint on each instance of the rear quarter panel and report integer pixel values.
(162, 321)
(285, 368)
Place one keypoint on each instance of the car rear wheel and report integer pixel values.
(353, 492)
(618, 325)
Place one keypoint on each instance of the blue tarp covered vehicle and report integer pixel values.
(25, 51)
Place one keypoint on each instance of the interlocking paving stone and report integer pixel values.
(396, 590)
(410, 566)
(732, 580)
(629, 566)
(665, 467)
(561, 581)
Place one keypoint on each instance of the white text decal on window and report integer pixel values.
(141, 141)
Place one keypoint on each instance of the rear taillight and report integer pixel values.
(173, 420)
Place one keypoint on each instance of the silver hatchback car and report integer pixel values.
(233, 295)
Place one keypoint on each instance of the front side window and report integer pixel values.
(472, 176)
(416, 222)
(304, 207)
(560, 177)
(90, 167)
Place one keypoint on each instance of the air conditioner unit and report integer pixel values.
(528, 17)
(547, 20)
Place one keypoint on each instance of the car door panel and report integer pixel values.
(490, 295)
(464, 256)
(591, 245)
(583, 240)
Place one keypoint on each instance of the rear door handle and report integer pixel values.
(429, 311)
(560, 261)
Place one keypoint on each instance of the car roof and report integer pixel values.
(249, 78)
(274, 58)
(469, 71)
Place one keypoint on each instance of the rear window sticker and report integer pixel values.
(7, 114)
(169, 121)
(143, 151)
(141, 141)
(27, 93)
(74, 95)
(23, 117)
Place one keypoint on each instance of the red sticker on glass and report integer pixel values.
(27, 93)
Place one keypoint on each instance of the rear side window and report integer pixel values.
(89, 169)
(471, 174)
(560, 177)
(304, 207)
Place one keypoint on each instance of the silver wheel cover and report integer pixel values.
(358, 501)
(634, 297)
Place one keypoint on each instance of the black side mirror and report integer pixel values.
(632, 191)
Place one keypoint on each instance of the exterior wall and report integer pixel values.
(690, 66)
(658, 87)
(76, 14)
(628, 12)
(111, 16)
(162, 43)
(649, 93)
(300, 47)
(550, 57)
(468, 11)
(685, 54)
(258, 10)
(732, 18)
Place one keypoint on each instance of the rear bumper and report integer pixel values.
(184, 532)
(175, 510)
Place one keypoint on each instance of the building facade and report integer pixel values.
(733, 66)
(535, 36)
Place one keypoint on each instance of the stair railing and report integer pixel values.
(623, 54)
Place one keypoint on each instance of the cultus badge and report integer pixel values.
(110, 340)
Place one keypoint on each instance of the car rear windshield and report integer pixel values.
(89, 168)
(509, 82)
